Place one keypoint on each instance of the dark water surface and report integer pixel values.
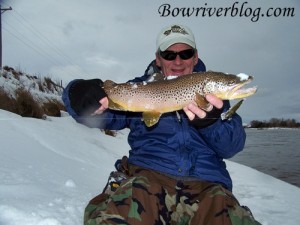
(273, 151)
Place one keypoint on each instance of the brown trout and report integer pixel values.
(161, 96)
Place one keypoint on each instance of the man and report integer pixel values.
(175, 173)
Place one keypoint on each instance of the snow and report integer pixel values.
(134, 86)
(243, 76)
(50, 169)
(171, 77)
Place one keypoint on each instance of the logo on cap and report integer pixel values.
(176, 29)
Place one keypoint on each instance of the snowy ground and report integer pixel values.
(50, 169)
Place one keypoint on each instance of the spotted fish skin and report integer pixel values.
(155, 98)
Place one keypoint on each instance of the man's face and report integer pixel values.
(178, 66)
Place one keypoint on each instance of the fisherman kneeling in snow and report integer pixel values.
(175, 172)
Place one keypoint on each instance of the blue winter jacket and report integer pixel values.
(173, 146)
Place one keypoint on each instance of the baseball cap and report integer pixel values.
(174, 34)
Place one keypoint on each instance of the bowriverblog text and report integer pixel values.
(237, 9)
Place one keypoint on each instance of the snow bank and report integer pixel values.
(50, 169)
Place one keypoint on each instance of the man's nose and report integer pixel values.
(177, 60)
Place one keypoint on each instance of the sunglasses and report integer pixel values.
(184, 55)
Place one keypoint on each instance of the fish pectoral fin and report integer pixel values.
(151, 118)
(228, 114)
(115, 106)
(201, 101)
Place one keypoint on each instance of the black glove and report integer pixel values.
(210, 118)
(84, 96)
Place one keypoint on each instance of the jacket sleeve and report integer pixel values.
(225, 137)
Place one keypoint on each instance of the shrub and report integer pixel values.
(26, 105)
(40, 84)
(49, 83)
(53, 108)
(6, 102)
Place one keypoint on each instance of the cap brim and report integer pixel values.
(164, 46)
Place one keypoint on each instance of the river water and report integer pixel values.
(273, 151)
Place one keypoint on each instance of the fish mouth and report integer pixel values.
(237, 91)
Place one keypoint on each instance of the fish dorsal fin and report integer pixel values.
(201, 101)
(151, 118)
(155, 77)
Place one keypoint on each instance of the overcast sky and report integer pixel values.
(115, 40)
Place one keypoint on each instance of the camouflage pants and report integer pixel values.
(148, 197)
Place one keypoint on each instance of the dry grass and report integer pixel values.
(7, 103)
(53, 108)
(15, 73)
(24, 104)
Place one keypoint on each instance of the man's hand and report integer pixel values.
(201, 118)
(103, 107)
(192, 110)
(84, 96)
